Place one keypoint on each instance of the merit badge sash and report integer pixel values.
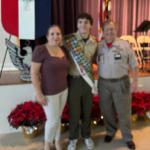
(82, 63)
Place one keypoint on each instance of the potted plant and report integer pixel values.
(30, 116)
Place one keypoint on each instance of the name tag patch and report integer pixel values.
(101, 58)
(117, 56)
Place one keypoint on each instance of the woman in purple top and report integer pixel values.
(49, 77)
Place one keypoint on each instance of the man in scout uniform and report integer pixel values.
(114, 58)
(81, 47)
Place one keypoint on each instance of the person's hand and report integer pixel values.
(134, 85)
(94, 91)
(41, 99)
(94, 88)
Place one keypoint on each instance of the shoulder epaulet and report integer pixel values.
(101, 43)
(121, 39)
(93, 38)
(124, 41)
(69, 36)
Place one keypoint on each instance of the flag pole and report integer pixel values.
(4, 58)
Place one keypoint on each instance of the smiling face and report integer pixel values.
(54, 36)
(84, 26)
(109, 32)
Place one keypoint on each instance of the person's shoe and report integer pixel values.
(131, 145)
(72, 145)
(108, 138)
(89, 143)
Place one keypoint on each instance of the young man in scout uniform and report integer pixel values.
(81, 47)
(114, 58)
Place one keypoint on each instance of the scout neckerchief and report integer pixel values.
(82, 63)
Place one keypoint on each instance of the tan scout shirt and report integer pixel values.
(115, 62)
(89, 49)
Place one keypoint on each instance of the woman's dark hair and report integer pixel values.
(54, 25)
(85, 16)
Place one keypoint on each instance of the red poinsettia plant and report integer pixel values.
(27, 114)
(95, 114)
(140, 103)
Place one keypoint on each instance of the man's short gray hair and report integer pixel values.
(107, 23)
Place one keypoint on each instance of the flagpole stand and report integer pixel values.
(4, 59)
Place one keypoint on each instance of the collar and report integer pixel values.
(90, 40)
(114, 43)
(109, 45)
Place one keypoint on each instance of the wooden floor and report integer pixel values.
(10, 78)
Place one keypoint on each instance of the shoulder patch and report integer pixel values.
(93, 38)
(69, 36)
(101, 43)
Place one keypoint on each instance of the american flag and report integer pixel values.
(104, 7)
(26, 19)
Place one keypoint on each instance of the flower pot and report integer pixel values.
(32, 132)
(64, 127)
(134, 118)
(143, 118)
(148, 115)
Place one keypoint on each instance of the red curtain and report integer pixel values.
(91, 7)
(65, 12)
(128, 14)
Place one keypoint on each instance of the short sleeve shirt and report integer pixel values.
(89, 49)
(53, 70)
(115, 62)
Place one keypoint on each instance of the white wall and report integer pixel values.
(10, 96)
(3, 35)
